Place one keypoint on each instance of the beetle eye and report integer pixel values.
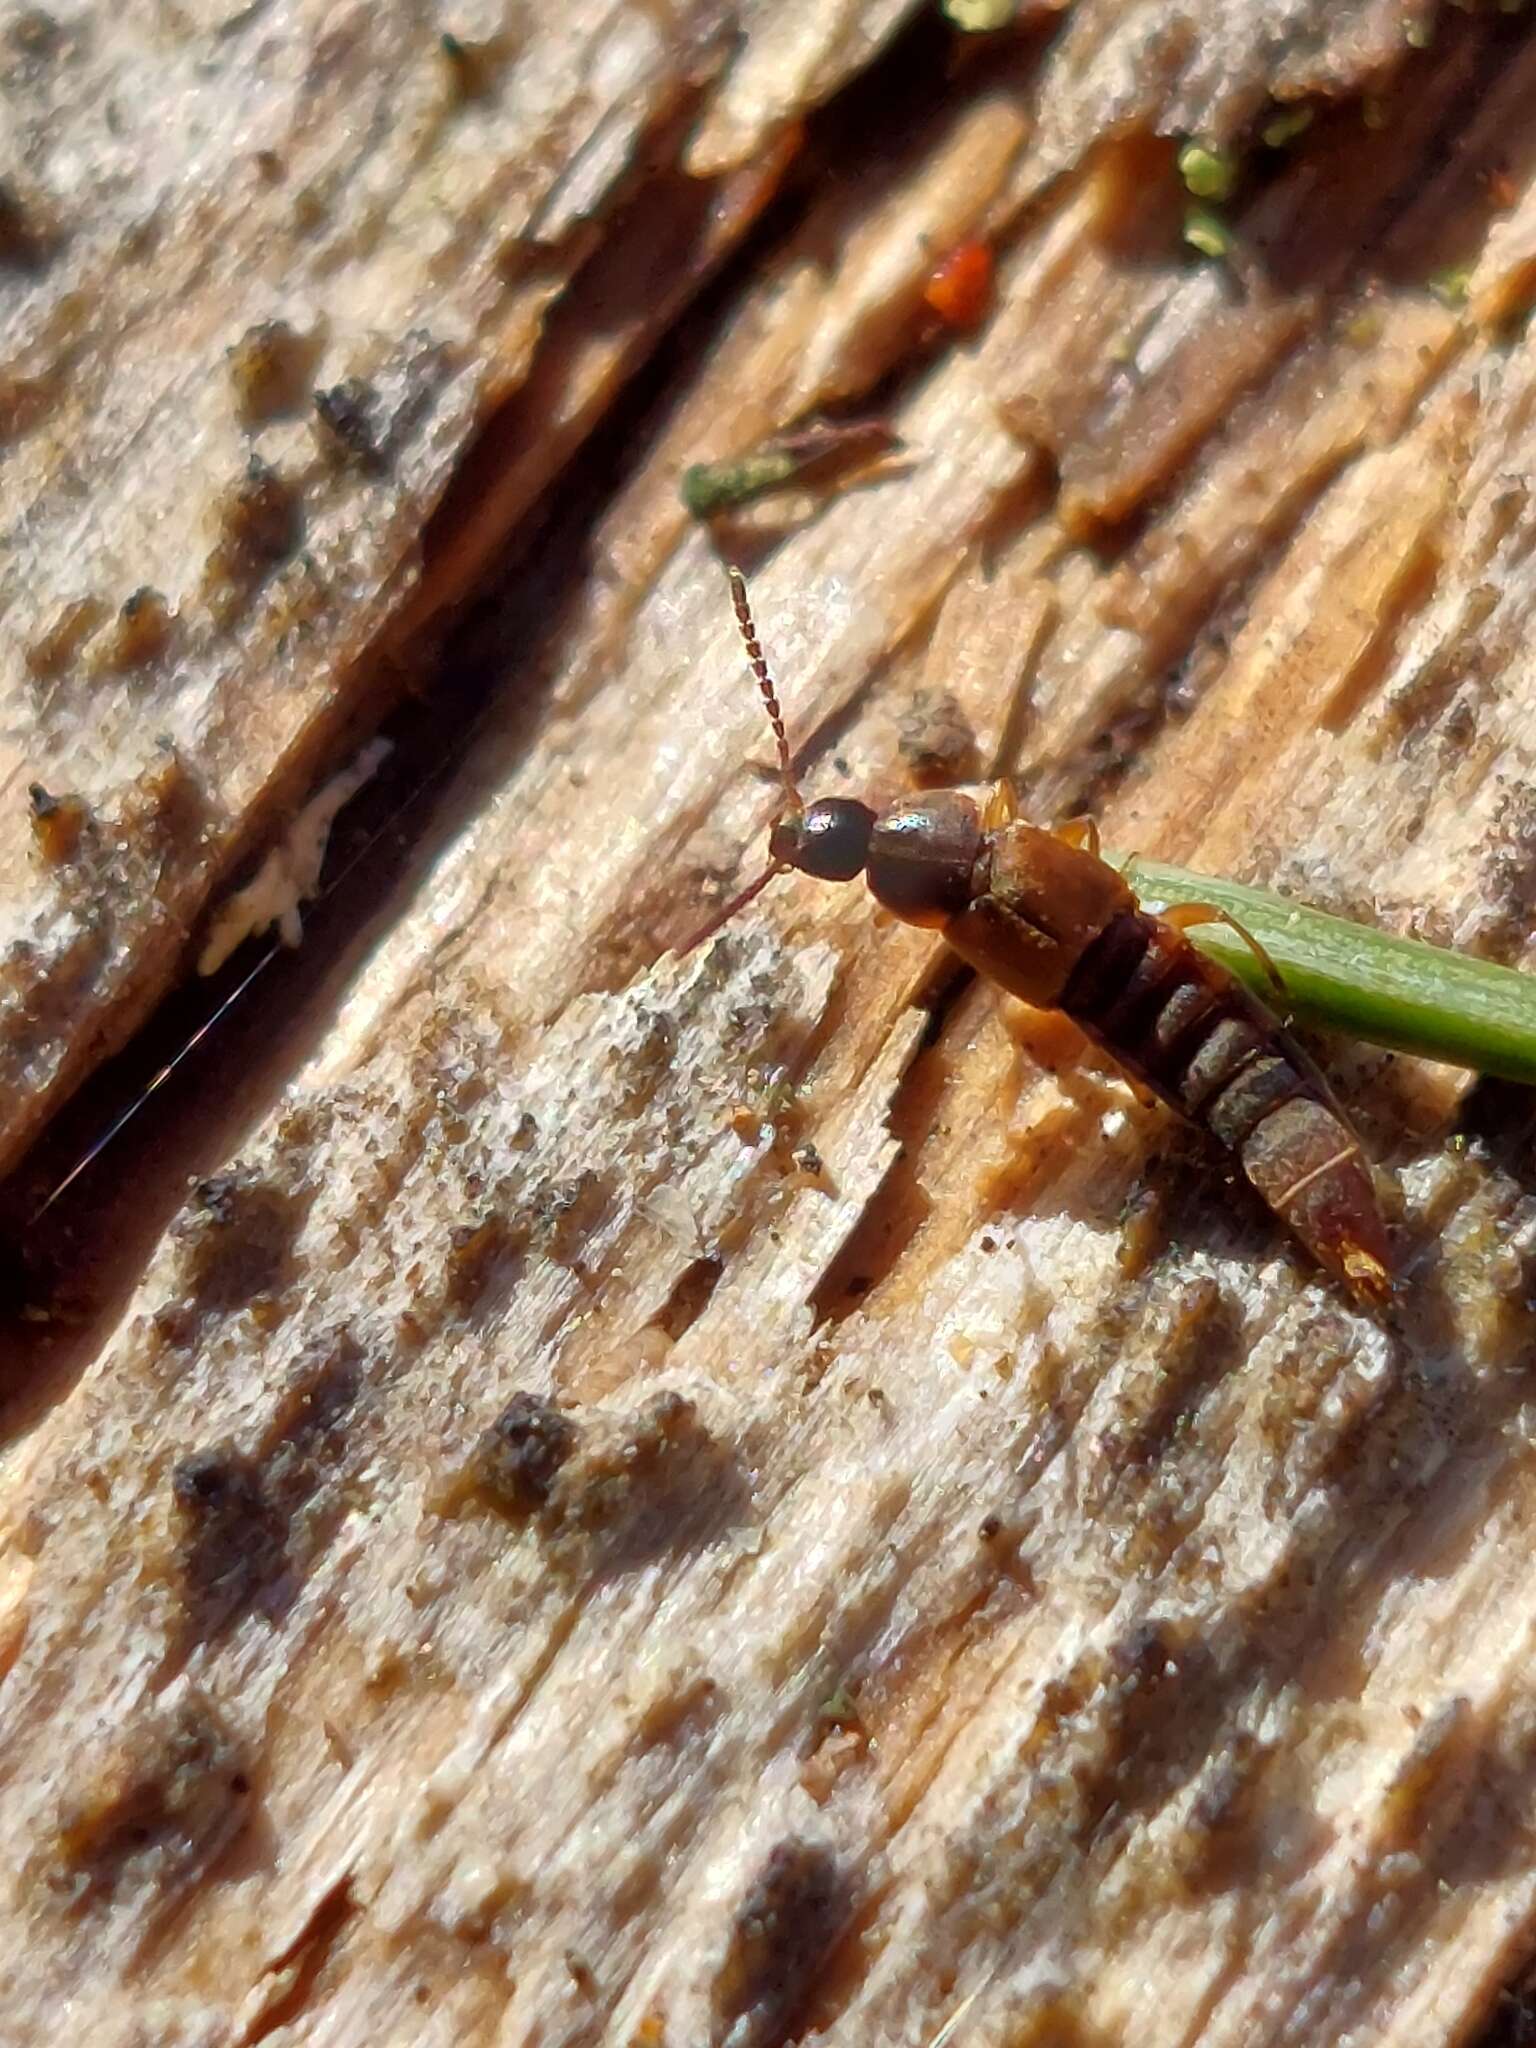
(830, 840)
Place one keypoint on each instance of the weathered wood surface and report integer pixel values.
(263, 270)
(946, 1556)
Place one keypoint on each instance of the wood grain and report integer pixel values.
(763, 1496)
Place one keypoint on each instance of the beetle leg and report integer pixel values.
(1079, 832)
(1182, 916)
(1002, 805)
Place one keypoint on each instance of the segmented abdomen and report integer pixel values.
(1185, 1027)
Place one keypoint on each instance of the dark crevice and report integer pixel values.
(654, 260)
(303, 1960)
(690, 1296)
(1512, 2022)
(897, 1210)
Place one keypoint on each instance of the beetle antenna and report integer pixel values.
(793, 799)
(737, 902)
(759, 666)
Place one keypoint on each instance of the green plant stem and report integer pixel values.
(1366, 984)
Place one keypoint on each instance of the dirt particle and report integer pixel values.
(1427, 1774)
(28, 231)
(249, 1523)
(783, 1933)
(304, 1446)
(54, 650)
(164, 805)
(519, 1457)
(691, 1295)
(142, 632)
(57, 823)
(642, 1485)
(230, 1546)
(937, 741)
(350, 430)
(683, 1712)
(1508, 864)
(165, 1805)
(269, 367)
(260, 518)
(1221, 1840)
(1142, 1226)
(566, 1212)
(311, 207)
(237, 1237)
(645, 1062)
(260, 524)
(472, 67)
(480, 1253)
(25, 401)
(34, 33)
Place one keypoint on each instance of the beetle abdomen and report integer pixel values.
(1180, 1023)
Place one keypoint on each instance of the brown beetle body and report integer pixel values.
(1060, 928)
(1053, 924)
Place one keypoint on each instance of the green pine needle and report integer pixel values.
(1363, 983)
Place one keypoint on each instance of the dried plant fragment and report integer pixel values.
(808, 455)
(981, 17)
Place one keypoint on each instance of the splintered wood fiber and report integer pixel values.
(565, 1493)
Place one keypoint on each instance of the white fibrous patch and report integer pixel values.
(290, 874)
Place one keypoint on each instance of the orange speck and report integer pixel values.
(960, 288)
